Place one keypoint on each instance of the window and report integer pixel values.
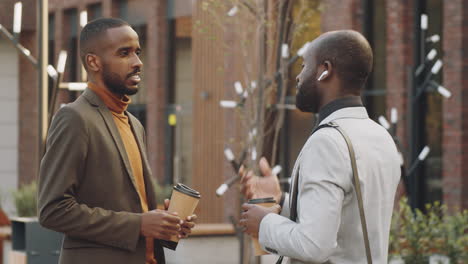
(94, 11)
(375, 31)
(51, 49)
(433, 122)
(180, 97)
(70, 37)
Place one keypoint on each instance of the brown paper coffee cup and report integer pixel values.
(265, 202)
(184, 200)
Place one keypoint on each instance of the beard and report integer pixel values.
(116, 84)
(308, 97)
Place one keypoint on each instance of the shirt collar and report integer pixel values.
(115, 103)
(328, 109)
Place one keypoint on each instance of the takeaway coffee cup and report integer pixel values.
(184, 200)
(265, 202)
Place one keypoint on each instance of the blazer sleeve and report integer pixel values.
(325, 177)
(59, 177)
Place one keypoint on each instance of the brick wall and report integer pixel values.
(28, 160)
(342, 14)
(455, 109)
(399, 60)
(399, 63)
(28, 141)
(338, 14)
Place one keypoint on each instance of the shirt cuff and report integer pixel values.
(265, 236)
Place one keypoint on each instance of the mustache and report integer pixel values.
(134, 72)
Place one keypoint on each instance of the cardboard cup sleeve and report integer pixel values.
(265, 202)
(184, 200)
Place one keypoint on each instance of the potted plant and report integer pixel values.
(31, 243)
(25, 200)
(432, 237)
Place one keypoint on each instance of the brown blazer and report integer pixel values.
(86, 187)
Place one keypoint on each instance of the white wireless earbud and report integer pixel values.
(322, 75)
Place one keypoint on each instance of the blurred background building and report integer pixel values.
(186, 74)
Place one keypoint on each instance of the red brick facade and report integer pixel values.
(399, 59)
(28, 113)
(342, 14)
(338, 14)
(455, 110)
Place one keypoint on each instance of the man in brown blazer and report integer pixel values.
(95, 181)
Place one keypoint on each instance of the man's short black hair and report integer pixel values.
(351, 56)
(93, 30)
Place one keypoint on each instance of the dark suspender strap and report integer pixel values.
(293, 214)
(357, 187)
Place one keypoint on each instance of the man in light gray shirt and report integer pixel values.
(327, 228)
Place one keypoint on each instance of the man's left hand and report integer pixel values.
(253, 215)
(186, 224)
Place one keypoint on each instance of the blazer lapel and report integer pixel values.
(110, 124)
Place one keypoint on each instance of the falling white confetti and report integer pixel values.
(227, 104)
(62, 60)
(228, 154)
(434, 38)
(77, 86)
(383, 121)
(254, 154)
(222, 189)
(424, 21)
(436, 68)
(285, 51)
(394, 115)
(444, 92)
(51, 71)
(423, 155)
(252, 134)
(233, 11)
(26, 51)
(276, 170)
(18, 9)
(83, 18)
(431, 55)
(253, 85)
(238, 87)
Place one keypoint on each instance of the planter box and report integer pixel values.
(32, 243)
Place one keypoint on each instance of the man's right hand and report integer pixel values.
(260, 187)
(160, 224)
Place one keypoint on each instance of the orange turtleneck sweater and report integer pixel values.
(117, 107)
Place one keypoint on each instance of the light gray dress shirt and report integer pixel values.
(328, 227)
